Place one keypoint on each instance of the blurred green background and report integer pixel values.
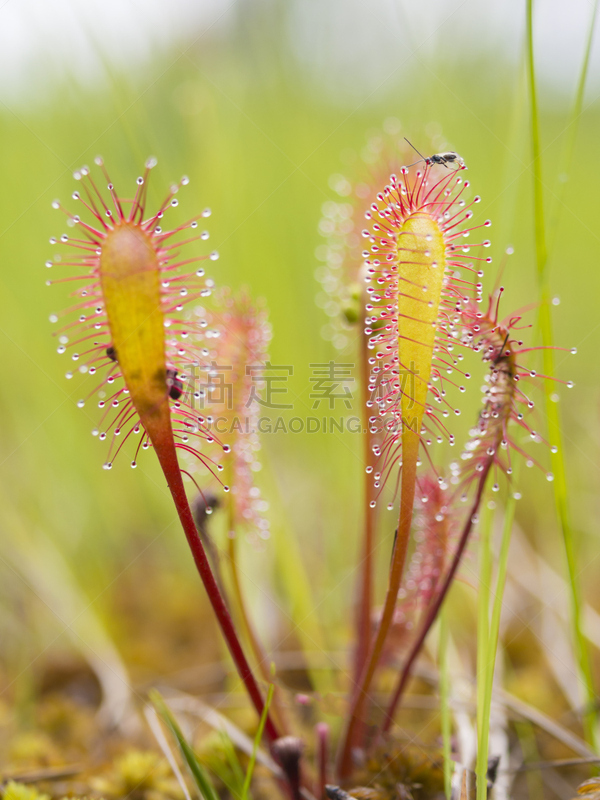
(259, 125)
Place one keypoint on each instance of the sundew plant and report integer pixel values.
(412, 287)
(130, 331)
(424, 310)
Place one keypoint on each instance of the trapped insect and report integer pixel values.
(449, 157)
(175, 385)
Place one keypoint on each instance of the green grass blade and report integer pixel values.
(257, 740)
(494, 632)
(234, 765)
(538, 195)
(566, 160)
(229, 770)
(487, 679)
(200, 775)
(552, 412)
(487, 663)
(483, 649)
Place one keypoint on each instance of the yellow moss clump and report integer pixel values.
(139, 775)
(19, 791)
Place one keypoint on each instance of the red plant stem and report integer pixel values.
(365, 602)
(409, 476)
(436, 604)
(168, 461)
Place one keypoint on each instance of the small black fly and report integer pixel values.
(449, 157)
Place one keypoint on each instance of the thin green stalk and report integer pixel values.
(257, 740)
(236, 779)
(483, 654)
(566, 160)
(201, 776)
(552, 412)
(494, 630)
(486, 665)
(445, 702)
(538, 199)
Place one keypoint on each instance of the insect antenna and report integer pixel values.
(416, 151)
